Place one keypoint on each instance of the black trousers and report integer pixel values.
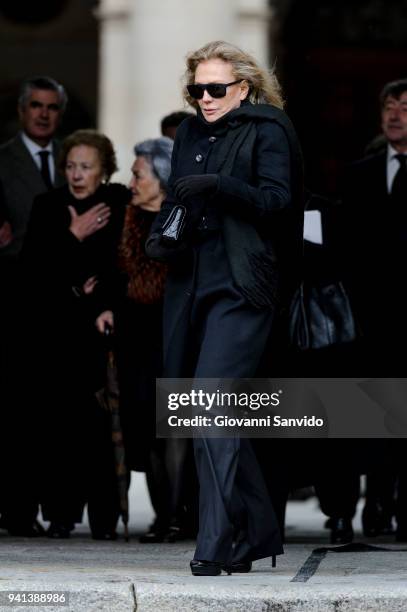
(234, 505)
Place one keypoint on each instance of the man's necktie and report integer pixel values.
(399, 187)
(45, 173)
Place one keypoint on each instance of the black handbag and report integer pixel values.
(321, 316)
(173, 227)
(169, 244)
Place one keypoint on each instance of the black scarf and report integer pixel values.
(253, 264)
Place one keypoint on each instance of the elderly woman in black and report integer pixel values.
(135, 314)
(237, 169)
(69, 250)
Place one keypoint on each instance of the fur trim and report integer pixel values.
(146, 278)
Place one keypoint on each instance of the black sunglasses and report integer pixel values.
(215, 90)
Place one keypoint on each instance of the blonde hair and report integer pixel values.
(264, 87)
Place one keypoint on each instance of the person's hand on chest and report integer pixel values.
(91, 221)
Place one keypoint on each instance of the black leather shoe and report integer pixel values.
(375, 521)
(206, 568)
(341, 531)
(154, 535)
(59, 531)
(238, 567)
(175, 534)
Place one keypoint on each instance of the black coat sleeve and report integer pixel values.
(153, 246)
(270, 190)
(111, 283)
(56, 259)
(51, 253)
(265, 195)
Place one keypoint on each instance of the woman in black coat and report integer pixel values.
(237, 169)
(135, 314)
(69, 250)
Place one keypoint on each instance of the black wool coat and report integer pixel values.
(55, 265)
(264, 191)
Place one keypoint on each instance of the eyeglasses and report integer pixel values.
(215, 90)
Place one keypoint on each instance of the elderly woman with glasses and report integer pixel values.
(237, 170)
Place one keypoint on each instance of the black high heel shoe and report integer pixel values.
(155, 534)
(342, 531)
(206, 568)
(175, 534)
(238, 567)
(242, 567)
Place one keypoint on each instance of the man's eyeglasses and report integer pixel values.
(215, 90)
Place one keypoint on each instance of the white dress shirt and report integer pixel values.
(393, 165)
(34, 149)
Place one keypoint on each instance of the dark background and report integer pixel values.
(333, 58)
(58, 38)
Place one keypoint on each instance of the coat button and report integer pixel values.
(212, 138)
(199, 158)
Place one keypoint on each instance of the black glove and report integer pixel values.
(156, 249)
(195, 184)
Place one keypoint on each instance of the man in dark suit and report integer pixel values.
(375, 232)
(27, 168)
(27, 162)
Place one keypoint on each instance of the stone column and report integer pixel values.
(142, 58)
(162, 34)
(115, 101)
(254, 18)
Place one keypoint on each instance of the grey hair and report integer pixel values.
(41, 82)
(158, 153)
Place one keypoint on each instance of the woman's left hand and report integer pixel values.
(89, 285)
(195, 184)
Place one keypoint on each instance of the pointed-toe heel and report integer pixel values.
(238, 567)
(205, 568)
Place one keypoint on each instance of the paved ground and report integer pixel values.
(123, 577)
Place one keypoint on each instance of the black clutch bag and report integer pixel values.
(321, 316)
(174, 226)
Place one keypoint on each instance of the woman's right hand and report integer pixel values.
(89, 222)
(105, 318)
